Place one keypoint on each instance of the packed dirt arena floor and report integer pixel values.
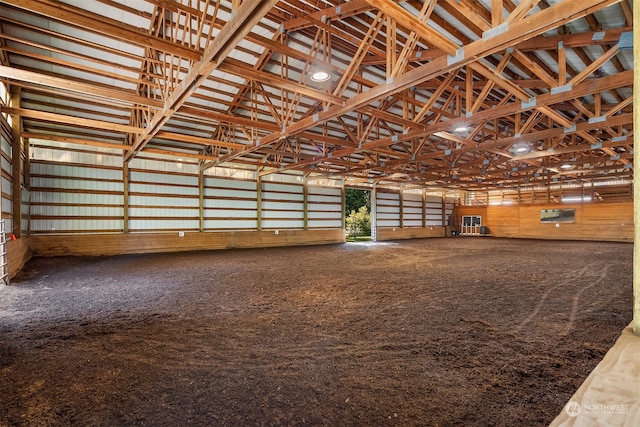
(435, 332)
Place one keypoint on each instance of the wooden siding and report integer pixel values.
(131, 243)
(593, 221)
(18, 253)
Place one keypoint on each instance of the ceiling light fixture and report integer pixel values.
(320, 76)
(566, 166)
(460, 129)
(521, 147)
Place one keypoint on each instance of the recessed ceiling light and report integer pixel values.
(461, 129)
(320, 76)
(566, 166)
(522, 149)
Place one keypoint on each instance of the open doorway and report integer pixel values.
(357, 213)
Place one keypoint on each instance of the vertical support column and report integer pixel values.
(125, 197)
(201, 199)
(444, 212)
(401, 207)
(27, 180)
(258, 201)
(16, 165)
(636, 176)
(343, 204)
(424, 208)
(305, 203)
(374, 212)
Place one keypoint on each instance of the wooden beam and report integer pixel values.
(583, 89)
(94, 23)
(196, 140)
(70, 120)
(80, 141)
(344, 10)
(518, 31)
(247, 15)
(111, 94)
(406, 19)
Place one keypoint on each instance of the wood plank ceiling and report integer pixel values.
(469, 94)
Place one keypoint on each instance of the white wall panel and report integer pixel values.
(163, 189)
(270, 195)
(387, 209)
(76, 225)
(230, 205)
(282, 188)
(281, 206)
(173, 179)
(231, 215)
(161, 212)
(162, 224)
(324, 207)
(282, 224)
(282, 215)
(7, 186)
(325, 215)
(326, 223)
(219, 193)
(215, 183)
(7, 206)
(236, 224)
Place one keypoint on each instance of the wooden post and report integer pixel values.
(125, 197)
(201, 199)
(636, 176)
(424, 208)
(444, 212)
(374, 212)
(16, 165)
(401, 207)
(258, 202)
(343, 203)
(305, 203)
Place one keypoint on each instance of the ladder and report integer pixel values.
(4, 259)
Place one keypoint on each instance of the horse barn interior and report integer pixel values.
(173, 193)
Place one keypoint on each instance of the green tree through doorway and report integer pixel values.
(358, 214)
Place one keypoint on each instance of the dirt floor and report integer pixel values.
(437, 332)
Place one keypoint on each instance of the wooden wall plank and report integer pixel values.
(593, 221)
(131, 243)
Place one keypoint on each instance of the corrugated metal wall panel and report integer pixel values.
(281, 206)
(230, 193)
(230, 205)
(75, 190)
(276, 214)
(324, 207)
(215, 183)
(282, 188)
(282, 224)
(77, 225)
(145, 225)
(325, 223)
(325, 215)
(234, 224)
(225, 214)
